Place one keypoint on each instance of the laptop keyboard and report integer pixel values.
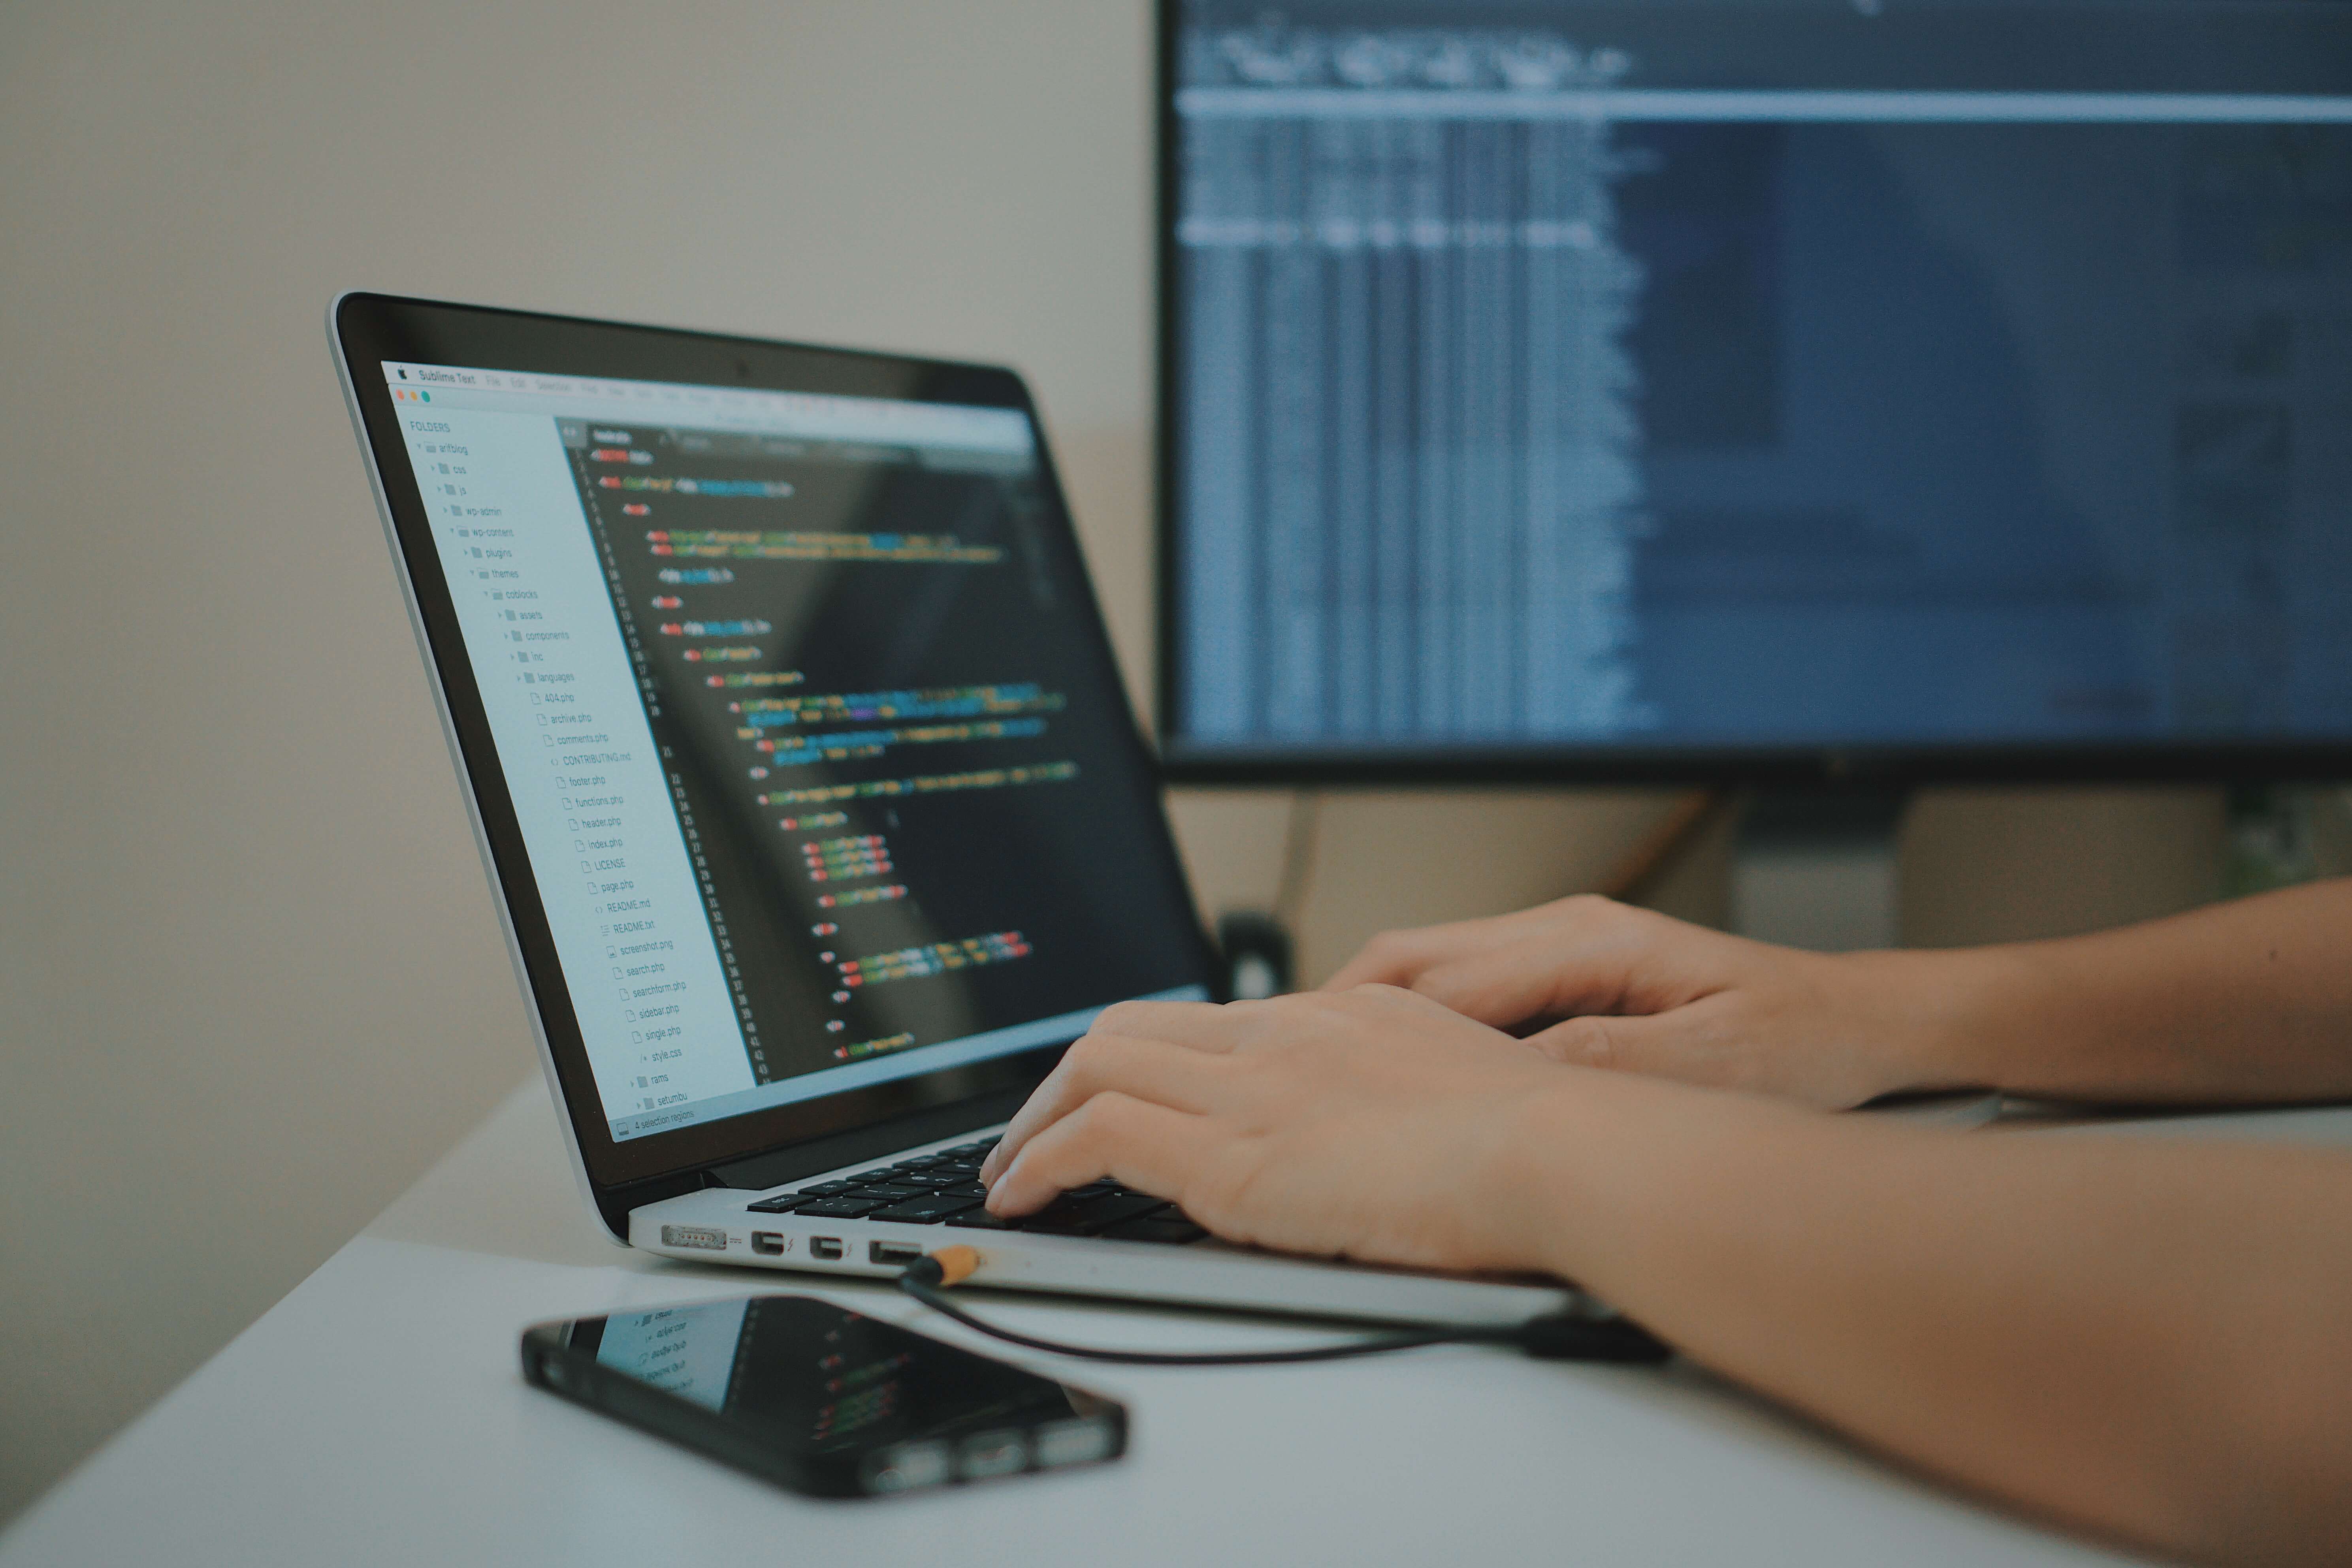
(944, 1189)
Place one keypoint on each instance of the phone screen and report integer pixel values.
(821, 1398)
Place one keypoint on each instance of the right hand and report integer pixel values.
(1375, 1125)
(1597, 983)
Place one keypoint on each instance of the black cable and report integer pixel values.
(1557, 1337)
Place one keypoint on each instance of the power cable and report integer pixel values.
(1554, 1337)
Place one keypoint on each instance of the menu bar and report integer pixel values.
(813, 415)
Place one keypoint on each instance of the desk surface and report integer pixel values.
(375, 1416)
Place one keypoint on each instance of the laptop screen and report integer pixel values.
(812, 743)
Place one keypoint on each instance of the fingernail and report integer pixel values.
(989, 1202)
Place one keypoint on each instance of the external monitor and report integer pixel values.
(1769, 390)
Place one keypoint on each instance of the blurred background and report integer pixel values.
(253, 983)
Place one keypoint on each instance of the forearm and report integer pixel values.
(2141, 1338)
(2248, 1001)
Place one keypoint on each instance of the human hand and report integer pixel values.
(1371, 1124)
(1597, 983)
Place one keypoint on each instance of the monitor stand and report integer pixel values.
(1819, 870)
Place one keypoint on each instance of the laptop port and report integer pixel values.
(828, 1247)
(768, 1243)
(899, 1253)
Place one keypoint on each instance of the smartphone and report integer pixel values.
(816, 1397)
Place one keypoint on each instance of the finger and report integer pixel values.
(1644, 1044)
(1399, 998)
(1395, 957)
(1709, 1044)
(1719, 1043)
(1400, 957)
(1618, 968)
(1503, 986)
(1203, 1026)
(1167, 1075)
(1150, 1147)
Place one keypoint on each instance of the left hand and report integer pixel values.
(1372, 1124)
(1599, 983)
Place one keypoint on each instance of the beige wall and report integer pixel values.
(252, 983)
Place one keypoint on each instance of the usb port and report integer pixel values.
(768, 1243)
(827, 1248)
(899, 1252)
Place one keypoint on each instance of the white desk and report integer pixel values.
(376, 1416)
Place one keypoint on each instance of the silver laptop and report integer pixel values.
(816, 815)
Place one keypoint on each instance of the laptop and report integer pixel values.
(817, 819)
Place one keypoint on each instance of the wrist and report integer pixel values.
(1950, 1019)
(1584, 1164)
(1996, 1019)
(1617, 1175)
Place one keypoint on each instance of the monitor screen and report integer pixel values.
(1701, 381)
(821, 769)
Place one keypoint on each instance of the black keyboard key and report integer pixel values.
(1118, 1209)
(1060, 1216)
(1079, 1213)
(966, 1190)
(841, 1207)
(980, 1219)
(1174, 1232)
(783, 1203)
(929, 1209)
(926, 1178)
(865, 1176)
(1079, 1197)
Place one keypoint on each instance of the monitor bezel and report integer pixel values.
(1795, 767)
(371, 328)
